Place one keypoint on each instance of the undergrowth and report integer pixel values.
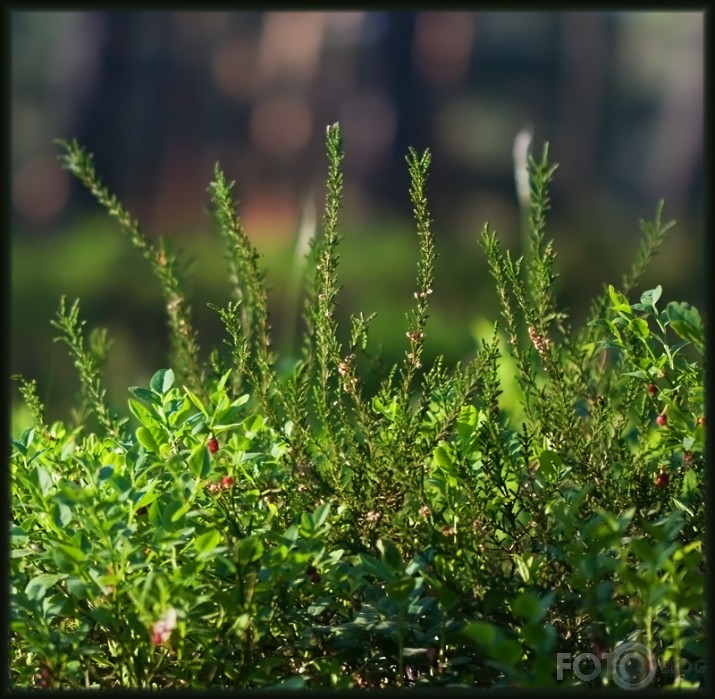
(247, 526)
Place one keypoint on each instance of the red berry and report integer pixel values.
(652, 389)
(45, 677)
(227, 482)
(213, 445)
(662, 480)
(662, 420)
(312, 572)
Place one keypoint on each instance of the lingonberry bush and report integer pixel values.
(247, 527)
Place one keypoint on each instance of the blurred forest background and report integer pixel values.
(159, 97)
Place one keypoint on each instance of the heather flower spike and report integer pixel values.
(161, 630)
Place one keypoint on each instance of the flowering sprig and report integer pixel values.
(162, 629)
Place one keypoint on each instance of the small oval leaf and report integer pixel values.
(650, 297)
(205, 543)
(146, 439)
(162, 381)
(145, 394)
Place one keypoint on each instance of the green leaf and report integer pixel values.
(252, 425)
(146, 439)
(27, 436)
(37, 588)
(249, 549)
(53, 606)
(122, 485)
(320, 515)
(683, 507)
(62, 515)
(199, 461)
(145, 394)
(371, 566)
(540, 637)
(390, 554)
(240, 400)
(180, 416)
(162, 381)
(76, 554)
(174, 405)
(415, 653)
(467, 422)
(76, 587)
(442, 457)
(146, 417)
(644, 551)
(686, 322)
(223, 380)
(147, 497)
(522, 568)
(639, 326)
(481, 633)
(205, 543)
(388, 411)
(639, 374)
(197, 423)
(19, 446)
(446, 596)
(650, 297)
(180, 512)
(196, 401)
(166, 511)
(550, 464)
(400, 589)
(105, 472)
(528, 606)
(506, 651)
(44, 479)
(619, 301)
(228, 417)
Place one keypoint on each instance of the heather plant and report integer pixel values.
(247, 525)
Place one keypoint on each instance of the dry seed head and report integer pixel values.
(173, 304)
(540, 342)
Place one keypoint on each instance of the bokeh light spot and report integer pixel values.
(281, 125)
(369, 124)
(442, 45)
(234, 68)
(40, 188)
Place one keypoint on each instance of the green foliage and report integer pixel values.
(88, 365)
(259, 528)
(249, 325)
(185, 350)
